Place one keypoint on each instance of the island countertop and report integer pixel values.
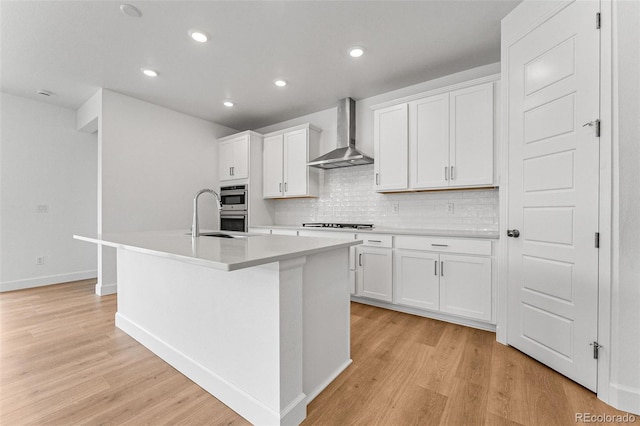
(226, 254)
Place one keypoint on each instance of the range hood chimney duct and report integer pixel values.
(345, 154)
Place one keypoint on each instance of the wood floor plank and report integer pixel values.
(63, 362)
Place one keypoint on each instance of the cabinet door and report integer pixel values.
(472, 136)
(390, 139)
(465, 286)
(373, 273)
(416, 279)
(240, 164)
(295, 163)
(272, 157)
(429, 142)
(225, 160)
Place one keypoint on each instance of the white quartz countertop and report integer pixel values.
(227, 254)
(460, 233)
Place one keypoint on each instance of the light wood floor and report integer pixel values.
(63, 362)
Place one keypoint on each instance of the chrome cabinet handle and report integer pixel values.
(286, 187)
(442, 269)
(435, 267)
(360, 259)
(440, 245)
(374, 241)
(280, 187)
(452, 175)
(446, 173)
(377, 178)
(231, 171)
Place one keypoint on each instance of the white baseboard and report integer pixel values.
(427, 314)
(315, 392)
(624, 398)
(47, 280)
(241, 402)
(105, 289)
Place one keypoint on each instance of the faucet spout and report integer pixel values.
(195, 227)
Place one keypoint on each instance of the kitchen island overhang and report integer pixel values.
(261, 323)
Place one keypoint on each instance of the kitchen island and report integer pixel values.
(260, 322)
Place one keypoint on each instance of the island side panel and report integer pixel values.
(226, 331)
(326, 327)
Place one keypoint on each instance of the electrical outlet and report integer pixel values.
(395, 208)
(40, 260)
(450, 208)
(42, 208)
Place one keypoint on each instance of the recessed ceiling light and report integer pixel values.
(280, 83)
(228, 104)
(356, 51)
(130, 10)
(149, 72)
(199, 36)
(43, 92)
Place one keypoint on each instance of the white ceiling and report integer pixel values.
(72, 48)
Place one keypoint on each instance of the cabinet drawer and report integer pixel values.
(445, 245)
(376, 240)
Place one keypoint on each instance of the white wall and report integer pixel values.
(152, 162)
(44, 161)
(348, 194)
(625, 286)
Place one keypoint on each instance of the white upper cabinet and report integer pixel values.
(285, 157)
(233, 160)
(436, 142)
(429, 142)
(391, 151)
(272, 166)
(472, 134)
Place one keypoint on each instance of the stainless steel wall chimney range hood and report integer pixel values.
(346, 154)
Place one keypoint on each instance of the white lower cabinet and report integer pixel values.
(465, 286)
(416, 280)
(373, 273)
(438, 280)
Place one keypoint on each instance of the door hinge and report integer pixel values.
(596, 349)
(598, 21)
(597, 240)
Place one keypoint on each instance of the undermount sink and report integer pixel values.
(220, 235)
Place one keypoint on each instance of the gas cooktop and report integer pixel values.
(338, 225)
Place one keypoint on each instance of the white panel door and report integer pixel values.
(272, 157)
(553, 86)
(295, 163)
(429, 142)
(472, 135)
(465, 286)
(416, 279)
(391, 146)
(373, 273)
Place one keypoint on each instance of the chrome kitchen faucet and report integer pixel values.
(195, 227)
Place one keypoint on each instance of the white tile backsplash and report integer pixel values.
(348, 195)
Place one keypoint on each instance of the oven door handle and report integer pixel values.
(233, 192)
(227, 216)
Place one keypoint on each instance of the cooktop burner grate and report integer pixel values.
(338, 225)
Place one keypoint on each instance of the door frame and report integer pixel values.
(521, 24)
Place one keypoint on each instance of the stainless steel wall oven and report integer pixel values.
(233, 216)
